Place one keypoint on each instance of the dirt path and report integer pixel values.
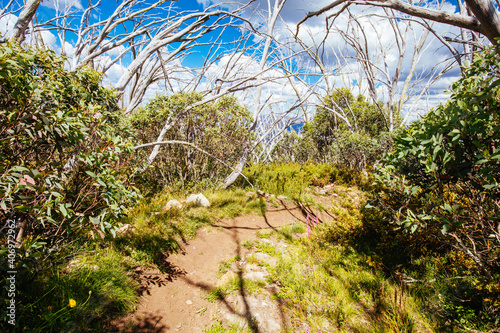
(175, 301)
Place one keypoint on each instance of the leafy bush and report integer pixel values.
(447, 166)
(295, 148)
(443, 177)
(221, 129)
(355, 142)
(63, 156)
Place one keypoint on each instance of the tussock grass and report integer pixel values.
(292, 179)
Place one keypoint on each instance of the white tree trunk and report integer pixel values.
(24, 19)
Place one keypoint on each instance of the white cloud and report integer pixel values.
(62, 5)
(7, 23)
(49, 39)
(114, 52)
(69, 49)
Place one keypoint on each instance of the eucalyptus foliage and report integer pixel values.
(63, 153)
(346, 130)
(444, 173)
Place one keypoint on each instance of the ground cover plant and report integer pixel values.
(444, 290)
(415, 251)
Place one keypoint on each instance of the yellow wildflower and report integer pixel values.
(72, 303)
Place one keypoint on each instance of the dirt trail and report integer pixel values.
(174, 301)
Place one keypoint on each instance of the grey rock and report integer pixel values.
(198, 200)
(266, 258)
(171, 204)
(255, 276)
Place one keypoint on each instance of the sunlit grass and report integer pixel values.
(95, 285)
(157, 232)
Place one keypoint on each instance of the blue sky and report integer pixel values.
(294, 10)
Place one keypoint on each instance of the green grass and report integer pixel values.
(344, 276)
(232, 286)
(334, 288)
(157, 232)
(97, 283)
(328, 285)
(292, 179)
(248, 245)
(226, 264)
(219, 328)
(288, 232)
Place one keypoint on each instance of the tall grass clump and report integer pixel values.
(329, 287)
(292, 179)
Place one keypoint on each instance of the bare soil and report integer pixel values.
(175, 301)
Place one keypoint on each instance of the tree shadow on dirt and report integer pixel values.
(145, 324)
(148, 279)
(246, 312)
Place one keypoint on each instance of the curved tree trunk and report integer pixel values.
(24, 19)
(238, 169)
(487, 14)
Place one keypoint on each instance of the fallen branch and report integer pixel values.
(164, 143)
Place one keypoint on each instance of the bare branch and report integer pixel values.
(486, 19)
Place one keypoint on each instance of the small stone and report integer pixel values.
(255, 276)
(172, 204)
(189, 302)
(266, 258)
(198, 200)
(281, 198)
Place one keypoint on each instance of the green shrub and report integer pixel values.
(63, 158)
(442, 181)
(355, 141)
(221, 129)
(445, 168)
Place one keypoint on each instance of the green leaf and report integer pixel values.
(446, 207)
(63, 210)
(91, 174)
(23, 208)
(95, 220)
